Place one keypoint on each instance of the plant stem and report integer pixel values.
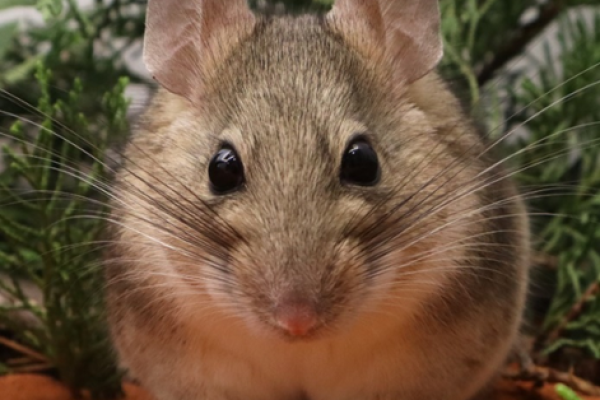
(573, 313)
(537, 373)
(23, 350)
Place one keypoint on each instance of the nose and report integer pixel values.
(296, 317)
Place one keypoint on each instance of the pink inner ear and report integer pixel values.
(364, 17)
(407, 32)
(224, 14)
(169, 49)
(185, 40)
(414, 41)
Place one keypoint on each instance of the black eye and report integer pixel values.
(225, 171)
(360, 165)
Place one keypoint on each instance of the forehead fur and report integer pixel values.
(295, 86)
(289, 98)
(295, 61)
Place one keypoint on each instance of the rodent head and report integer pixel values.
(284, 169)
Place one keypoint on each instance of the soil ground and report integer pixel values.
(40, 387)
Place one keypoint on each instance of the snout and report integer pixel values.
(296, 315)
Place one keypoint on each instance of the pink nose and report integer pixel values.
(297, 318)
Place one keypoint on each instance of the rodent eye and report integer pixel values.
(360, 165)
(225, 171)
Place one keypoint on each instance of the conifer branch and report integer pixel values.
(547, 13)
(592, 291)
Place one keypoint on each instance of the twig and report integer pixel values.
(536, 373)
(548, 12)
(24, 350)
(14, 362)
(545, 260)
(32, 368)
(573, 313)
(522, 354)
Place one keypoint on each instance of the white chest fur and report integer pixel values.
(379, 358)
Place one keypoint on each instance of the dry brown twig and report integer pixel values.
(545, 261)
(15, 362)
(24, 350)
(31, 362)
(573, 313)
(536, 373)
(26, 369)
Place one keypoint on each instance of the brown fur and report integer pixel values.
(427, 268)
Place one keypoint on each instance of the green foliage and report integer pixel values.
(48, 240)
(52, 184)
(300, 5)
(73, 43)
(557, 159)
(561, 157)
(566, 393)
(55, 172)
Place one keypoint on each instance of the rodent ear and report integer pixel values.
(186, 39)
(405, 32)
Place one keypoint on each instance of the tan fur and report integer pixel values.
(420, 300)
